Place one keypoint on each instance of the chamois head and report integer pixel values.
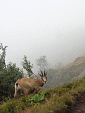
(43, 76)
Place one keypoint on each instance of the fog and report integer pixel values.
(54, 28)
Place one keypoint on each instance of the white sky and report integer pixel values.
(55, 28)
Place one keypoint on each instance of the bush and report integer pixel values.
(8, 78)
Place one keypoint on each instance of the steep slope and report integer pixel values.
(71, 72)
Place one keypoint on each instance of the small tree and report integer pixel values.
(42, 63)
(27, 66)
(2, 57)
(8, 75)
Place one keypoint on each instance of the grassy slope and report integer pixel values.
(62, 98)
(58, 99)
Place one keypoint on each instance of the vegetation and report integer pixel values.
(27, 66)
(36, 98)
(2, 57)
(59, 92)
(59, 99)
(8, 76)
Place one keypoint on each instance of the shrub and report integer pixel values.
(8, 78)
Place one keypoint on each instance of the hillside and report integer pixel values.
(66, 74)
(67, 97)
(61, 99)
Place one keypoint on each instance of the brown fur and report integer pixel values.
(27, 86)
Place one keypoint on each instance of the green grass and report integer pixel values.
(58, 99)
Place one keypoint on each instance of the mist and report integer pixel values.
(52, 28)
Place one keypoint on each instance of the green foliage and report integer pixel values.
(8, 75)
(36, 98)
(27, 66)
(21, 104)
(8, 78)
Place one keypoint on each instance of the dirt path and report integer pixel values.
(79, 107)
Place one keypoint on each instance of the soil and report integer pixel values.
(79, 106)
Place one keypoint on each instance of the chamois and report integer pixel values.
(27, 86)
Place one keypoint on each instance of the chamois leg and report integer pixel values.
(16, 95)
(37, 89)
(26, 92)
